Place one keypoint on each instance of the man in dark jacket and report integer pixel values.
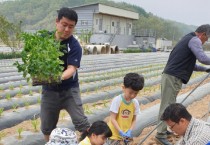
(178, 70)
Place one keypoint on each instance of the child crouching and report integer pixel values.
(97, 134)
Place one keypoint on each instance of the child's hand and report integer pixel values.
(123, 134)
(129, 133)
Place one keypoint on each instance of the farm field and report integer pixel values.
(100, 79)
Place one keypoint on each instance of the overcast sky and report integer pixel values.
(191, 12)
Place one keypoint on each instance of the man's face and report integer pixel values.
(64, 28)
(204, 38)
(178, 128)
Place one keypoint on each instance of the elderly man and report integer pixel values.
(180, 121)
(179, 68)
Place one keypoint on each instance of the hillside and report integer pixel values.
(41, 14)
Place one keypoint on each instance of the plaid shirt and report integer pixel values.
(197, 133)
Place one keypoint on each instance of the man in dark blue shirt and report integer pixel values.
(67, 94)
(179, 68)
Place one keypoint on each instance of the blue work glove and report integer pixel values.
(122, 134)
(129, 133)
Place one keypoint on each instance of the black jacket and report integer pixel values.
(181, 61)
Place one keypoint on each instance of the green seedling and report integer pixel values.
(20, 86)
(81, 82)
(1, 111)
(39, 100)
(19, 130)
(19, 94)
(26, 103)
(8, 96)
(11, 87)
(94, 105)
(35, 124)
(2, 134)
(115, 82)
(96, 89)
(87, 91)
(30, 93)
(105, 103)
(87, 109)
(15, 106)
(36, 59)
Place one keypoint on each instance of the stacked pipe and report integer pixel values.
(100, 49)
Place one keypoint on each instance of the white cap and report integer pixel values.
(62, 136)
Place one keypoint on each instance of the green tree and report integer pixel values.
(41, 14)
(10, 33)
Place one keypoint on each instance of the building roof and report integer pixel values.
(110, 10)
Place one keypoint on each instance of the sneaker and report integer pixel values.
(163, 141)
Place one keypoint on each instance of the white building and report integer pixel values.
(106, 23)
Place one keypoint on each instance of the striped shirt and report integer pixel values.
(197, 133)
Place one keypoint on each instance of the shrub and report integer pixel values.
(40, 57)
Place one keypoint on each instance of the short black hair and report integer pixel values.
(134, 81)
(204, 28)
(175, 112)
(67, 13)
(98, 128)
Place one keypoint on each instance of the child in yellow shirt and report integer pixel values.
(97, 134)
(124, 108)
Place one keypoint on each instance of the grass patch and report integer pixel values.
(10, 55)
(131, 50)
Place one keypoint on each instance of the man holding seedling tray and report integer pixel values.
(65, 95)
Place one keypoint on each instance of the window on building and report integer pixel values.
(113, 24)
(96, 21)
(100, 24)
(84, 22)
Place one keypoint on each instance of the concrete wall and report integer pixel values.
(85, 14)
(122, 41)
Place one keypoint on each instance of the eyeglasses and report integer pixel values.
(172, 126)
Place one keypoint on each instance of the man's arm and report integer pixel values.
(199, 68)
(196, 47)
(68, 72)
